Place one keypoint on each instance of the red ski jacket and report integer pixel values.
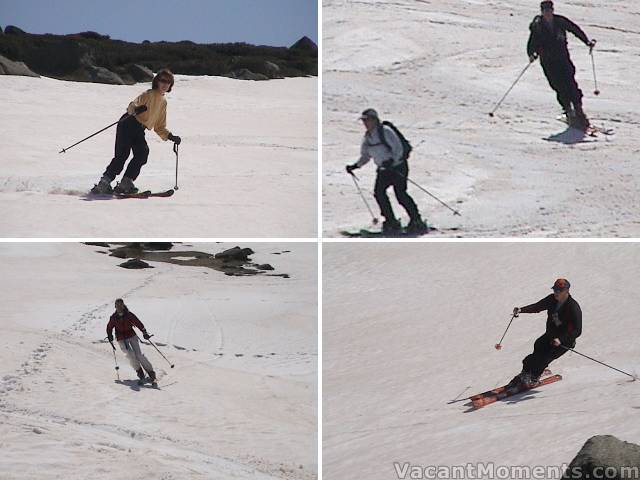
(124, 325)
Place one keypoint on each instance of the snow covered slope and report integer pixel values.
(248, 160)
(240, 402)
(409, 328)
(437, 68)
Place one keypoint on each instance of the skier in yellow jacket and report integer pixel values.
(148, 110)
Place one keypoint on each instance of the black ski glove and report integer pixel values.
(146, 336)
(351, 168)
(140, 109)
(175, 138)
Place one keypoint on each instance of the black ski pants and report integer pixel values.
(543, 354)
(396, 177)
(561, 76)
(129, 136)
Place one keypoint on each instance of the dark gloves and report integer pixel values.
(110, 338)
(140, 109)
(146, 336)
(591, 44)
(175, 138)
(351, 168)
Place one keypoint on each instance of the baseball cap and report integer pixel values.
(369, 113)
(547, 4)
(560, 285)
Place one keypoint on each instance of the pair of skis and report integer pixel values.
(142, 195)
(500, 393)
(592, 130)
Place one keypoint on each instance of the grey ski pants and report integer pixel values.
(131, 348)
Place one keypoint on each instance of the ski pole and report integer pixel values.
(355, 182)
(511, 87)
(499, 344)
(175, 149)
(64, 150)
(154, 346)
(593, 67)
(598, 361)
(455, 212)
(115, 359)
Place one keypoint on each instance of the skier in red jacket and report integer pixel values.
(123, 321)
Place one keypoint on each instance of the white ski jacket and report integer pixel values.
(372, 147)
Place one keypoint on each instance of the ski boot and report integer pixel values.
(580, 120)
(103, 187)
(140, 374)
(391, 225)
(417, 225)
(152, 377)
(125, 186)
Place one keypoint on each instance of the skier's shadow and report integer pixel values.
(517, 398)
(132, 384)
(570, 136)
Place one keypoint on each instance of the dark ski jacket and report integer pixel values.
(566, 324)
(124, 325)
(550, 43)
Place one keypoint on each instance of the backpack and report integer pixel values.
(406, 146)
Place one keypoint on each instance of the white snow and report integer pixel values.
(401, 344)
(436, 69)
(240, 402)
(247, 163)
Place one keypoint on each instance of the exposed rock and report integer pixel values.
(606, 456)
(98, 244)
(246, 74)
(13, 30)
(102, 75)
(305, 44)
(135, 263)
(9, 67)
(265, 266)
(272, 69)
(140, 73)
(235, 253)
(158, 246)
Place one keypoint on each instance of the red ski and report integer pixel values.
(484, 400)
(496, 390)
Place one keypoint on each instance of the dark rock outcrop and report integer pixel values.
(235, 253)
(140, 73)
(13, 30)
(92, 57)
(246, 74)
(605, 455)
(8, 67)
(102, 75)
(265, 266)
(305, 44)
(135, 264)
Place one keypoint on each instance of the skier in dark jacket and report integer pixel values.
(123, 322)
(564, 325)
(548, 40)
